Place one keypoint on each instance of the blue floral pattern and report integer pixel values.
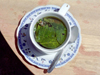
(43, 62)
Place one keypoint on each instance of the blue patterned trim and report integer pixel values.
(20, 44)
(48, 7)
(71, 19)
(43, 8)
(54, 8)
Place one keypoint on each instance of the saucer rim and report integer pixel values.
(56, 7)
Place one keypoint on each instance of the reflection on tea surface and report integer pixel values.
(50, 32)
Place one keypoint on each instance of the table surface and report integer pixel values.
(86, 12)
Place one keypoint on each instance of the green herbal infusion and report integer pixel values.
(50, 32)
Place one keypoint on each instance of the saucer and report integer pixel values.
(30, 52)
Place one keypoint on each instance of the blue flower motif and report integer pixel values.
(24, 52)
(39, 12)
(50, 61)
(24, 44)
(37, 59)
(70, 23)
(33, 55)
(56, 10)
(42, 59)
(26, 25)
(68, 54)
(24, 40)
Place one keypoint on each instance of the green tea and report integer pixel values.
(50, 32)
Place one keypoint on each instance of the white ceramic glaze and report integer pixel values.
(30, 53)
(59, 15)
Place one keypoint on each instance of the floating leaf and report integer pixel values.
(51, 34)
(60, 35)
(50, 43)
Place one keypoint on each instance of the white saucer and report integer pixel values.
(29, 51)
